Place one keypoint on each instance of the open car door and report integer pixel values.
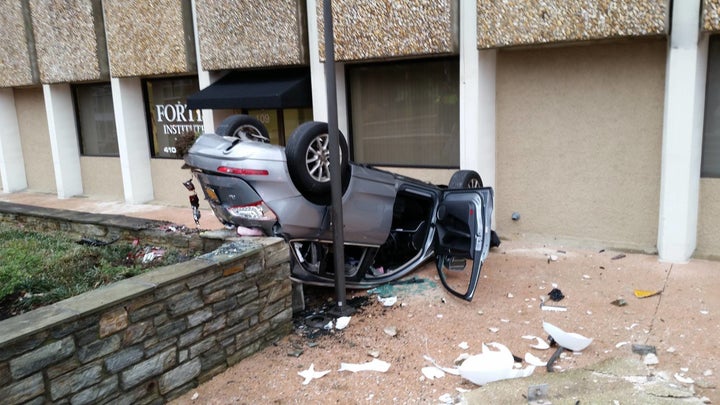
(462, 239)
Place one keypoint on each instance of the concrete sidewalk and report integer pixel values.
(681, 323)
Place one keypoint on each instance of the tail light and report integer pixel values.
(257, 210)
(244, 172)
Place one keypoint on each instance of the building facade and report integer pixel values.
(597, 123)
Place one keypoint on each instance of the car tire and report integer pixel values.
(307, 154)
(465, 179)
(471, 179)
(245, 127)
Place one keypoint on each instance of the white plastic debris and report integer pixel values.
(462, 357)
(534, 360)
(621, 344)
(464, 345)
(152, 255)
(540, 344)
(342, 322)
(492, 365)
(195, 396)
(708, 373)
(493, 330)
(570, 341)
(244, 231)
(390, 331)
(651, 359)
(683, 379)
(432, 372)
(704, 312)
(310, 374)
(388, 301)
(553, 308)
(374, 365)
(448, 370)
(446, 399)
(510, 295)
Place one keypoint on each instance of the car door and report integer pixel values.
(462, 238)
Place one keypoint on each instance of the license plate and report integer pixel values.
(212, 195)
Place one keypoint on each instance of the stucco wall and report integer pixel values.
(35, 139)
(708, 237)
(167, 183)
(102, 177)
(579, 132)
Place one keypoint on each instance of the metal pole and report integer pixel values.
(341, 308)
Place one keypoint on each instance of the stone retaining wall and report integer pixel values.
(152, 337)
(105, 227)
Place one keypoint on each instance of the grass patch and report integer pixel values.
(39, 269)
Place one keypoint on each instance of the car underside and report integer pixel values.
(404, 249)
(392, 223)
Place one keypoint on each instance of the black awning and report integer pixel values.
(285, 88)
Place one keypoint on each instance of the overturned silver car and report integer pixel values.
(392, 223)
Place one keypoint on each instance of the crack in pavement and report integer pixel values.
(657, 306)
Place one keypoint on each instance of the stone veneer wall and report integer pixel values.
(250, 34)
(149, 37)
(710, 15)
(530, 22)
(69, 41)
(104, 227)
(152, 337)
(368, 29)
(16, 55)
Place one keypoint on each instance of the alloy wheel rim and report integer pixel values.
(317, 159)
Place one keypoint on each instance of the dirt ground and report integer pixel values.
(682, 323)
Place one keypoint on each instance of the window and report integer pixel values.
(281, 123)
(711, 133)
(96, 119)
(406, 113)
(293, 117)
(169, 115)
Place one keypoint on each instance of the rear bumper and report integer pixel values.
(229, 195)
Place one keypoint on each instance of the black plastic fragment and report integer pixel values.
(556, 295)
(643, 349)
(95, 242)
(553, 358)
